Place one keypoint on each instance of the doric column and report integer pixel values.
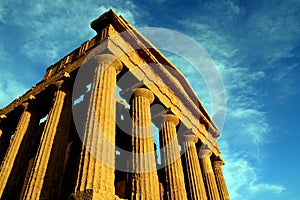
(208, 174)
(193, 170)
(174, 177)
(217, 166)
(143, 182)
(18, 152)
(96, 171)
(55, 169)
(41, 162)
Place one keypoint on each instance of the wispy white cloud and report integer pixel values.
(243, 65)
(274, 28)
(253, 125)
(192, 76)
(267, 187)
(279, 77)
(10, 88)
(57, 26)
(227, 10)
(51, 27)
(3, 5)
(11, 85)
(242, 176)
(47, 32)
(251, 58)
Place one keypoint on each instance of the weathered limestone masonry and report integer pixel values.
(72, 138)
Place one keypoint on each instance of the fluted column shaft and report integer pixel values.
(143, 183)
(193, 169)
(39, 169)
(55, 169)
(175, 186)
(217, 166)
(208, 175)
(96, 172)
(17, 151)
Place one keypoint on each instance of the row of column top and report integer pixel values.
(65, 83)
(186, 135)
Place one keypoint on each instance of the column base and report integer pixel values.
(91, 194)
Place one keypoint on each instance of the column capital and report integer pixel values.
(3, 116)
(172, 118)
(109, 59)
(205, 151)
(189, 137)
(218, 163)
(64, 83)
(58, 84)
(145, 93)
(27, 105)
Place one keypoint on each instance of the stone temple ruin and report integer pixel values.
(91, 136)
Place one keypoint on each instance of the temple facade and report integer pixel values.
(114, 119)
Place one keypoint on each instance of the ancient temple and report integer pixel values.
(114, 119)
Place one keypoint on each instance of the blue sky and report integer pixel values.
(255, 45)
